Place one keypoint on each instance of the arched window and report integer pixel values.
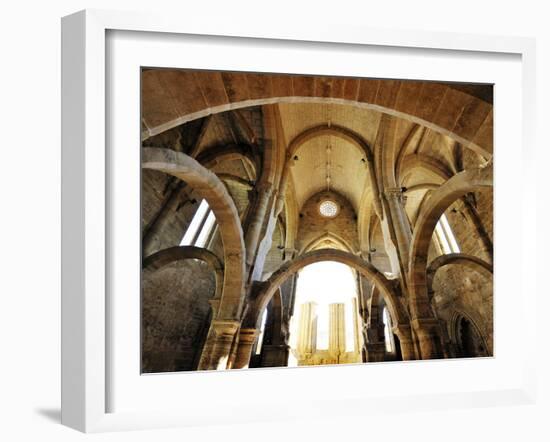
(200, 227)
(261, 335)
(445, 236)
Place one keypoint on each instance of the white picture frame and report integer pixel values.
(86, 357)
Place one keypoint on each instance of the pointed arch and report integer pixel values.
(265, 292)
(330, 236)
(335, 130)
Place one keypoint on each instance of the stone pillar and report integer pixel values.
(357, 343)
(375, 351)
(257, 220)
(406, 342)
(374, 185)
(217, 349)
(337, 330)
(289, 163)
(428, 333)
(375, 345)
(275, 355)
(399, 223)
(247, 337)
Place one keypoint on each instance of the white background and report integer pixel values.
(30, 218)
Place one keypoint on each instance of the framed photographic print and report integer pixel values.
(291, 212)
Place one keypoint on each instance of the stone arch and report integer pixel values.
(454, 330)
(268, 288)
(172, 97)
(470, 261)
(421, 186)
(210, 187)
(430, 164)
(333, 237)
(460, 184)
(164, 257)
(335, 130)
(236, 179)
(413, 139)
(214, 155)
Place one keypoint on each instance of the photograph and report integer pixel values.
(299, 220)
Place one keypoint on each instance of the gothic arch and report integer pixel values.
(214, 155)
(455, 325)
(460, 184)
(210, 187)
(439, 106)
(164, 257)
(320, 130)
(269, 287)
(426, 162)
(330, 236)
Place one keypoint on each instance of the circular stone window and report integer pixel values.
(328, 209)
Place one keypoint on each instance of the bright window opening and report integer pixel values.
(446, 237)
(200, 228)
(328, 208)
(388, 334)
(325, 283)
(261, 335)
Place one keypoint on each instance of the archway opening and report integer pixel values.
(325, 325)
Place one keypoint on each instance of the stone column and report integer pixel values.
(289, 163)
(247, 338)
(375, 345)
(399, 223)
(275, 355)
(428, 334)
(257, 220)
(403, 332)
(357, 343)
(374, 185)
(217, 349)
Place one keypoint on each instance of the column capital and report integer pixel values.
(403, 331)
(426, 326)
(248, 335)
(225, 327)
(395, 194)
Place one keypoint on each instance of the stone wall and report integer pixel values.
(312, 225)
(459, 290)
(175, 315)
(156, 191)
